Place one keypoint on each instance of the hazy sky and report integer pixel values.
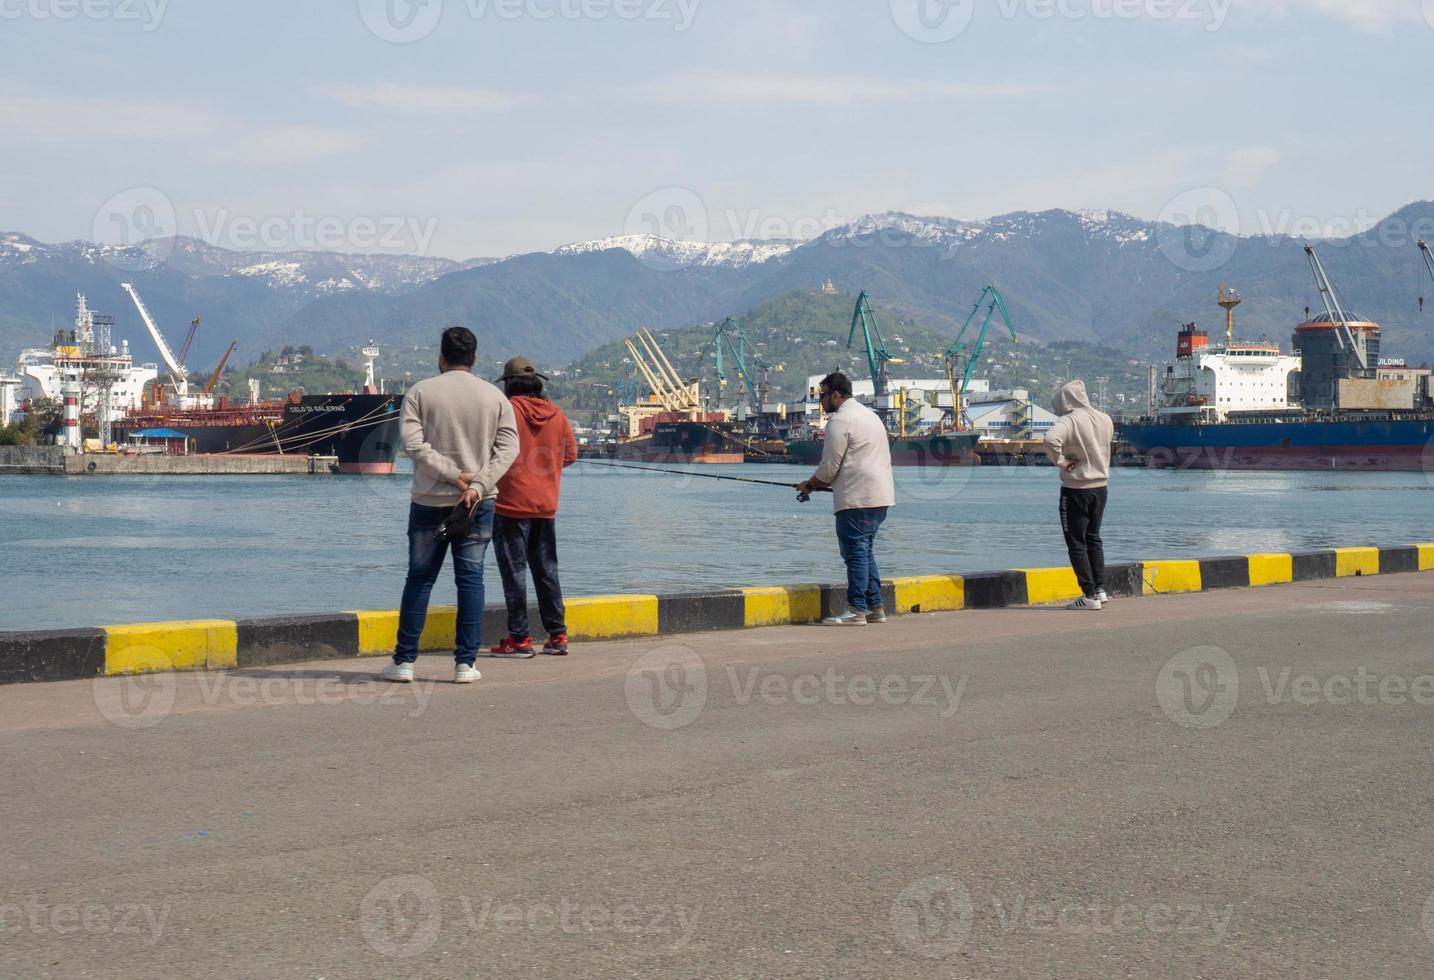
(487, 127)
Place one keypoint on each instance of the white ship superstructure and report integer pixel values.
(1207, 384)
(84, 356)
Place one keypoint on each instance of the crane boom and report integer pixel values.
(188, 341)
(1338, 321)
(877, 358)
(219, 371)
(658, 387)
(176, 369)
(1428, 257)
(965, 356)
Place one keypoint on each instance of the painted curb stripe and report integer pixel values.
(701, 612)
(1171, 577)
(1352, 562)
(996, 590)
(294, 639)
(51, 655)
(928, 594)
(1225, 573)
(218, 644)
(1395, 561)
(612, 617)
(147, 648)
(1271, 569)
(1311, 566)
(1048, 585)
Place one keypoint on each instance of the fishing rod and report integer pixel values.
(706, 476)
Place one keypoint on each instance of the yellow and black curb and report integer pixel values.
(222, 644)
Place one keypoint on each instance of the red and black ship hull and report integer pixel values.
(360, 431)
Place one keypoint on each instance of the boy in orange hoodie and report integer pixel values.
(525, 519)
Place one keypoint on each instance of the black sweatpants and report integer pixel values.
(1081, 514)
(526, 544)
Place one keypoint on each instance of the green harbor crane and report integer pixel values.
(877, 358)
(963, 356)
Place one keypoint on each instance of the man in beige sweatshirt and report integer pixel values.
(1079, 444)
(462, 436)
(856, 466)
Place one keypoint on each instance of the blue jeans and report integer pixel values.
(856, 536)
(425, 561)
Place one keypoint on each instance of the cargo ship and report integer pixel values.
(1331, 404)
(956, 448)
(95, 379)
(360, 431)
(686, 441)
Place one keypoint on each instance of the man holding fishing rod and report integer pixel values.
(856, 467)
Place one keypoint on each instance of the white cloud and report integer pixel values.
(215, 136)
(1245, 166)
(428, 99)
(733, 89)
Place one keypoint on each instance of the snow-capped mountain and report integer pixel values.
(305, 272)
(658, 252)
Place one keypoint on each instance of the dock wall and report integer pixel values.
(56, 460)
(221, 644)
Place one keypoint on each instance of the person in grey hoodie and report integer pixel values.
(1079, 444)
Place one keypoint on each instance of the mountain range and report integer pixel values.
(1097, 276)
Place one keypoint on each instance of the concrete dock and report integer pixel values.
(57, 461)
(1229, 784)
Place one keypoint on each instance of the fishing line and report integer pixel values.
(705, 476)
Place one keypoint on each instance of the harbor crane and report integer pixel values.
(219, 371)
(1348, 339)
(1428, 263)
(177, 373)
(963, 356)
(730, 342)
(674, 394)
(877, 358)
(188, 341)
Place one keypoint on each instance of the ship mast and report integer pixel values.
(1229, 299)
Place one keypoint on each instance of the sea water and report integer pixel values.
(78, 551)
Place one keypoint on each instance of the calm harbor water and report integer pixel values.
(80, 551)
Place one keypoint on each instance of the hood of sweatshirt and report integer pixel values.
(1069, 397)
(537, 412)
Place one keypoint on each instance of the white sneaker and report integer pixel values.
(876, 616)
(465, 674)
(853, 617)
(1085, 603)
(1101, 597)
(398, 673)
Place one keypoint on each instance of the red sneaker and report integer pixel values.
(557, 646)
(514, 649)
